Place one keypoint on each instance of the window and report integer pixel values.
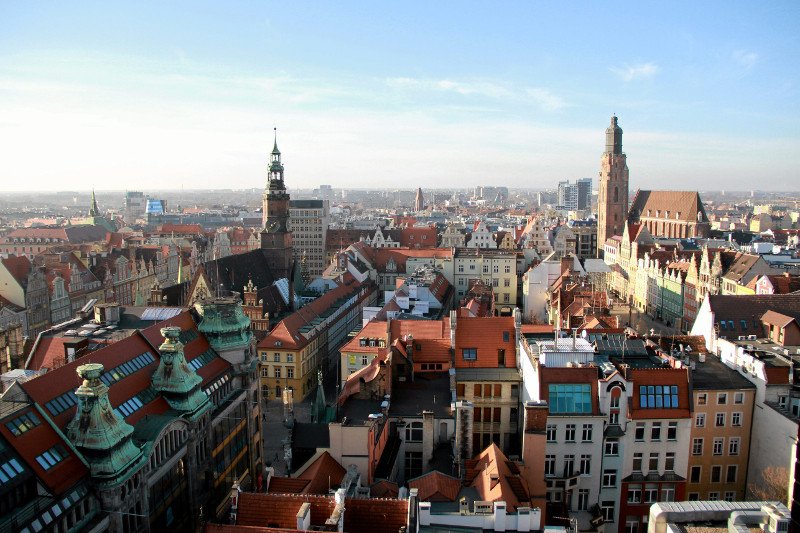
(23, 423)
(613, 418)
(716, 474)
(477, 390)
(637, 462)
(506, 282)
(607, 510)
(290, 372)
(719, 445)
(569, 465)
(658, 396)
(634, 494)
(667, 493)
(277, 372)
(583, 500)
(507, 269)
(702, 398)
(639, 433)
(730, 496)
(586, 434)
(586, 464)
(653, 464)
(669, 462)
(733, 445)
(611, 447)
(265, 372)
(413, 466)
(414, 432)
(51, 457)
(697, 446)
(552, 432)
(655, 431)
(694, 474)
(276, 357)
(730, 476)
(700, 420)
(719, 420)
(713, 496)
(289, 358)
(651, 493)
(736, 419)
(570, 433)
(738, 398)
(469, 354)
(364, 360)
(672, 431)
(610, 479)
(722, 398)
(569, 398)
(632, 524)
(549, 465)
(693, 496)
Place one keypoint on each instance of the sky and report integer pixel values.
(162, 95)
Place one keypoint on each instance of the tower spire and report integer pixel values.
(93, 210)
(275, 150)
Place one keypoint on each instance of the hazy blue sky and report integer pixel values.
(158, 95)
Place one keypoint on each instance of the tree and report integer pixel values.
(773, 486)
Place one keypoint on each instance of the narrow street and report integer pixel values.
(641, 322)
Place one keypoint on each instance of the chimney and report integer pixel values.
(304, 517)
(235, 490)
(428, 440)
(410, 352)
(414, 517)
(335, 521)
(453, 320)
(269, 474)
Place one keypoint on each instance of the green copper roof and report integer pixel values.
(98, 432)
(224, 324)
(179, 384)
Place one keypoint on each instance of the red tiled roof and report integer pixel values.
(183, 229)
(322, 474)
(487, 334)
(287, 331)
(418, 237)
(374, 329)
(18, 267)
(361, 515)
(384, 489)
(436, 487)
(38, 440)
(491, 474)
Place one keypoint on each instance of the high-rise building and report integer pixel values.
(135, 205)
(575, 196)
(276, 239)
(419, 203)
(612, 200)
(308, 222)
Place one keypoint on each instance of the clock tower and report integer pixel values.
(612, 200)
(276, 239)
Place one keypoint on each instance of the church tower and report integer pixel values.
(276, 239)
(612, 201)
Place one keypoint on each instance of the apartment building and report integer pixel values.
(497, 269)
(307, 340)
(308, 222)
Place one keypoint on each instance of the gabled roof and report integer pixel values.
(747, 310)
(325, 472)
(685, 203)
(436, 487)
(497, 479)
(295, 331)
(19, 267)
(777, 319)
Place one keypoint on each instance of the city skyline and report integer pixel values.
(165, 96)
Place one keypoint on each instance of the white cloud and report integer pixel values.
(640, 71)
(541, 97)
(745, 59)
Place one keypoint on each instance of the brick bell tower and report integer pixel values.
(276, 239)
(612, 201)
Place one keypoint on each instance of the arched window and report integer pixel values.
(616, 194)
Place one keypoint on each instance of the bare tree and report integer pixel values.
(773, 486)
